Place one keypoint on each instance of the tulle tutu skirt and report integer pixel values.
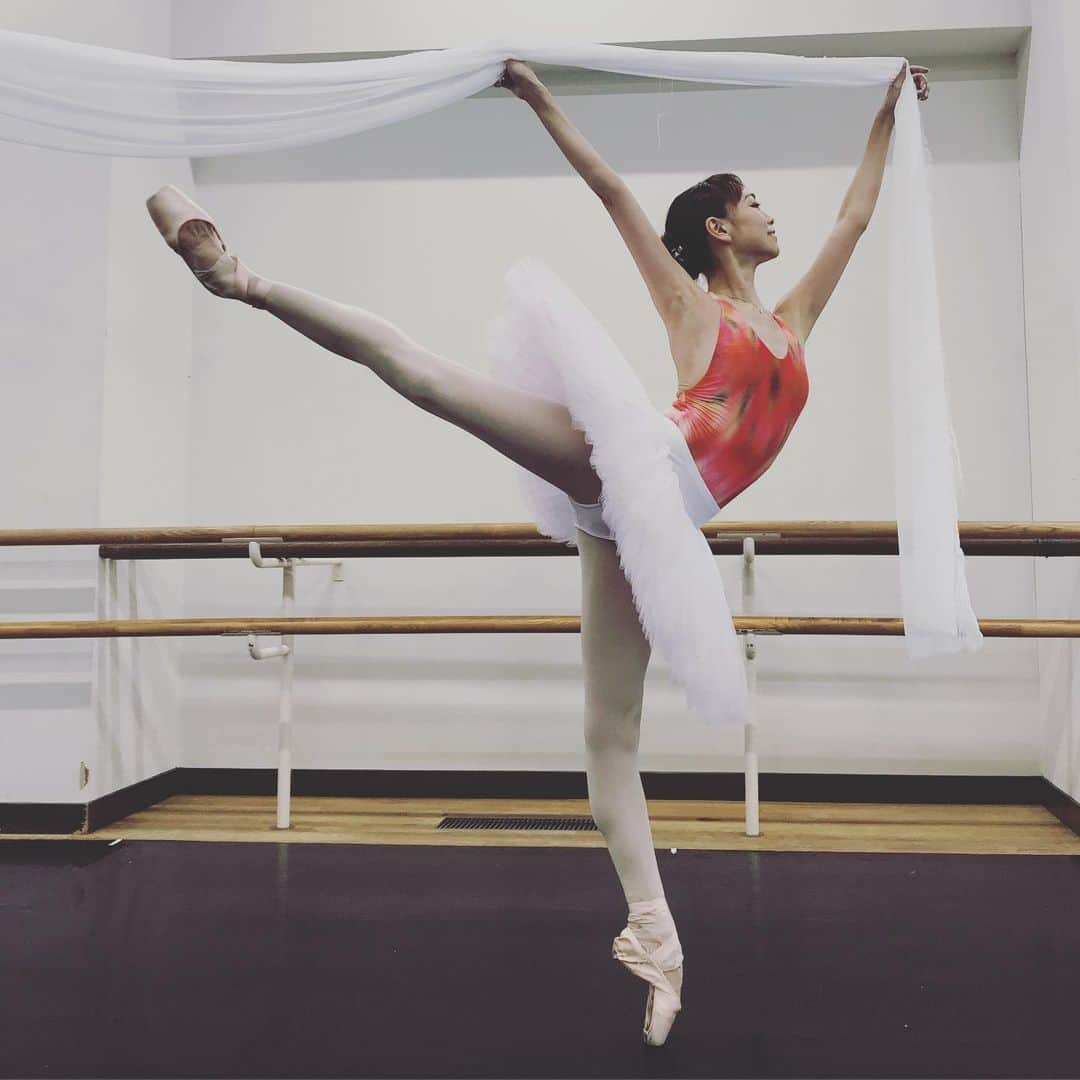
(545, 342)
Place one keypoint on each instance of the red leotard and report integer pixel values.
(739, 414)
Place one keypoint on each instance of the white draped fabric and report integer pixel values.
(95, 100)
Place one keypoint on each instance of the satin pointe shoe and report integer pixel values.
(190, 231)
(665, 982)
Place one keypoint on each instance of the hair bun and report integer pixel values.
(677, 249)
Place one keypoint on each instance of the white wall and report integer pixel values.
(418, 222)
(96, 364)
(144, 464)
(138, 25)
(206, 28)
(53, 346)
(1050, 172)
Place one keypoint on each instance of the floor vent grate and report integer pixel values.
(550, 823)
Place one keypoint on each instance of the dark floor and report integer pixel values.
(192, 959)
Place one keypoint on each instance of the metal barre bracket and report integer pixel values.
(287, 563)
(258, 652)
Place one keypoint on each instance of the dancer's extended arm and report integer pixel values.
(668, 283)
(801, 307)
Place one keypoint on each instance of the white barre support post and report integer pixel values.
(750, 764)
(285, 650)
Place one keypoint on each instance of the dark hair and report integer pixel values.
(684, 229)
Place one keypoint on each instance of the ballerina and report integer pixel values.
(741, 386)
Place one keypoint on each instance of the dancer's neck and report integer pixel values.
(735, 283)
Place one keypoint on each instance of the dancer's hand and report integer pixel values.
(519, 79)
(922, 86)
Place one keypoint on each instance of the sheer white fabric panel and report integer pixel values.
(938, 616)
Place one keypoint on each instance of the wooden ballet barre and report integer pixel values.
(295, 549)
(477, 531)
(491, 624)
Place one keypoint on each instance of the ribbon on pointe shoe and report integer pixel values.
(255, 287)
(226, 262)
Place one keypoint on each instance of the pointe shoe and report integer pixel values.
(171, 210)
(665, 984)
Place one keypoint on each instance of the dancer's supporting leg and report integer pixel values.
(616, 655)
(535, 433)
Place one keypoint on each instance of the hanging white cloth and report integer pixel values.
(90, 99)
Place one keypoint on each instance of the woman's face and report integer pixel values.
(750, 229)
(756, 234)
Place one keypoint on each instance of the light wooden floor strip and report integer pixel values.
(704, 826)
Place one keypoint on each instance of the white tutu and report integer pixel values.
(546, 342)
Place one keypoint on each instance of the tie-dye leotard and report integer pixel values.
(738, 415)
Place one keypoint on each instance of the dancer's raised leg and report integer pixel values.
(616, 655)
(535, 433)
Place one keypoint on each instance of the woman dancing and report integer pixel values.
(741, 385)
